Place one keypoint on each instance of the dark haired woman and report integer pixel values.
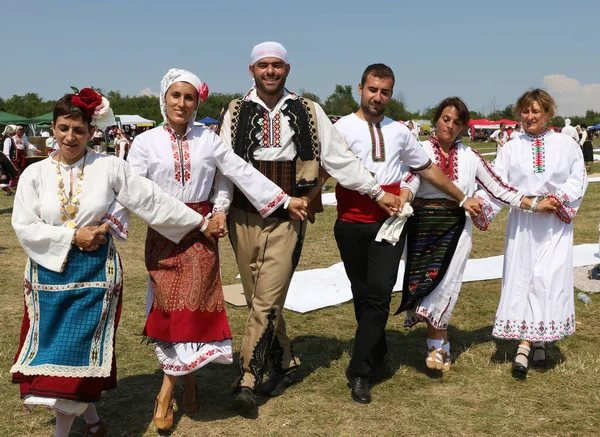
(537, 304)
(586, 146)
(73, 277)
(439, 233)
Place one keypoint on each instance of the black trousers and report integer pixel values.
(372, 269)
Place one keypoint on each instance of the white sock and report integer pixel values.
(446, 347)
(434, 344)
(523, 360)
(63, 424)
(91, 416)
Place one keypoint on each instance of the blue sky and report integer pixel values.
(486, 53)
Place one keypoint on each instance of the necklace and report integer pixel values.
(69, 204)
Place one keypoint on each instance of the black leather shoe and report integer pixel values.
(277, 384)
(361, 392)
(244, 399)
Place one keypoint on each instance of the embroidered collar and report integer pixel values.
(252, 96)
(535, 137)
(171, 131)
(436, 143)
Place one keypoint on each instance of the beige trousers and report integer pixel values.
(267, 252)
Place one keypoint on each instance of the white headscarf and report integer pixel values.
(567, 122)
(268, 49)
(178, 75)
(10, 129)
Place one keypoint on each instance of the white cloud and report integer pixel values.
(148, 92)
(571, 97)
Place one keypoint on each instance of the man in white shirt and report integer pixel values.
(414, 131)
(570, 130)
(499, 139)
(287, 138)
(21, 143)
(387, 148)
(516, 133)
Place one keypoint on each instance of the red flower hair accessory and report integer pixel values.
(203, 92)
(87, 100)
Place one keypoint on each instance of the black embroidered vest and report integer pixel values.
(294, 177)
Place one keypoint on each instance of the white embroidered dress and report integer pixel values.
(467, 169)
(185, 168)
(537, 302)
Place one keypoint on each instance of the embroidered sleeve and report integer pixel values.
(117, 216)
(494, 185)
(570, 194)
(410, 181)
(422, 168)
(489, 210)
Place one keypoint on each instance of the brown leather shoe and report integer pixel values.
(101, 431)
(190, 404)
(166, 422)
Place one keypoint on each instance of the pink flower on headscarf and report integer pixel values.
(203, 92)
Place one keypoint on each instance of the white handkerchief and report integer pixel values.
(392, 228)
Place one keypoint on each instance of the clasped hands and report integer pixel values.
(391, 204)
(89, 238)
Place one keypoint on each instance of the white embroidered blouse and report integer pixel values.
(468, 170)
(549, 165)
(38, 222)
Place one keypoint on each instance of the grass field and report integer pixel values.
(477, 397)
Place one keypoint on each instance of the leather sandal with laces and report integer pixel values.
(101, 429)
(438, 359)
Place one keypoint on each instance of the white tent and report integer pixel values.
(135, 119)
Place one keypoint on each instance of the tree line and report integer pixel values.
(340, 102)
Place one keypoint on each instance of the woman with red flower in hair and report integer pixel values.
(186, 322)
(73, 277)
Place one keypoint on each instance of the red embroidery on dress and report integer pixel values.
(448, 165)
(182, 175)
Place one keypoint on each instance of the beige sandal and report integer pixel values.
(438, 359)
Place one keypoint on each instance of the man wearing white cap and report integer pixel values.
(570, 130)
(287, 138)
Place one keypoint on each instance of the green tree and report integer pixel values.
(214, 104)
(396, 109)
(341, 102)
(310, 96)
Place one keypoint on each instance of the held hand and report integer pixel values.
(220, 218)
(212, 230)
(472, 206)
(390, 203)
(89, 238)
(548, 205)
(297, 208)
